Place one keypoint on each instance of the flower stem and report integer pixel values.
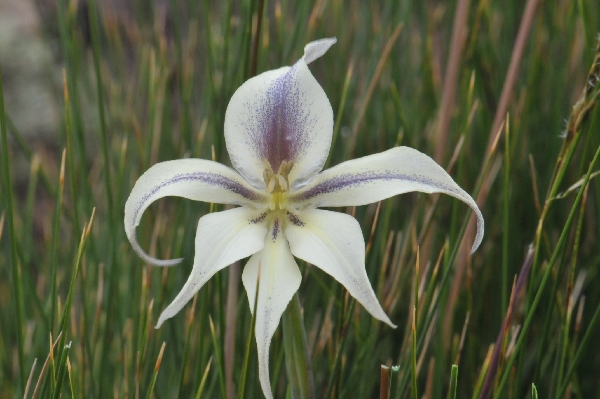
(297, 359)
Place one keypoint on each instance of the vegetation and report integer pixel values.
(504, 95)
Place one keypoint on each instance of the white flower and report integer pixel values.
(278, 130)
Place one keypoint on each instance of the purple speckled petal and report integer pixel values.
(379, 176)
(196, 179)
(282, 114)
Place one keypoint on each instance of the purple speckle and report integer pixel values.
(277, 124)
(258, 219)
(275, 232)
(212, 179)
(294, 219)
(350, 180)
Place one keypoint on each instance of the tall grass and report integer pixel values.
(503, 94)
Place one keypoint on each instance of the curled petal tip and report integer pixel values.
(156, 262)
(167, 262)
(316, 49)
(480, 230)
(147, 258)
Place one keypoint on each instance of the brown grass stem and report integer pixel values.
(371, 88)
(451, 77)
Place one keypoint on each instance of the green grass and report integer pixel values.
(145, 84)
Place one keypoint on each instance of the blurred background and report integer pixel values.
(502, 95)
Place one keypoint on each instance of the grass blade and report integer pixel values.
(56, 239)
(60, 376)
(17, 282)
(295, 346)
(203, 381)
(155, 373)
(413, 369)
(453, 382)
(542, 285)
(217, 349)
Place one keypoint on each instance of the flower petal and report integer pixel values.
(379, 176)
(196, 179)
(221, 239)
(279, 280)
(333, 242)
(282, 114)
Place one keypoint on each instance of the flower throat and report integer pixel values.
(277, 184)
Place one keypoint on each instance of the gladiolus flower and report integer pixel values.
(278, 131)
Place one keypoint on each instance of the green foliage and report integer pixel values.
(148, 83)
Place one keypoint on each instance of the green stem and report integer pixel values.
(580, 352)
(16, 270)
(453, 381)
(104, 140)
(242, 391)
(62, 368)
(413, 368)
(295, 346)
(505, 225)
(55, 243)
(549, 268)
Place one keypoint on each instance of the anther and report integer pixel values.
(271, 185)
(267, 165)
(282, 182)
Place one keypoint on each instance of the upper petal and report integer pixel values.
(282, 114)
(333, 242)
(196, 179)
(221, 239)
(279, 280)
(379, 176)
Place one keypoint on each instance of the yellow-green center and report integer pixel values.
(277, 184)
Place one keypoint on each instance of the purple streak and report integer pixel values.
(278, 123)
(212, 179)
(350, 180)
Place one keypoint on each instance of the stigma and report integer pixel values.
(277, 184)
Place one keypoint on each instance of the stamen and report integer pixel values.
(281, 167)
(277, 184)
(282, 182)
(271, 185)
(284, 168)
(267, 165)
